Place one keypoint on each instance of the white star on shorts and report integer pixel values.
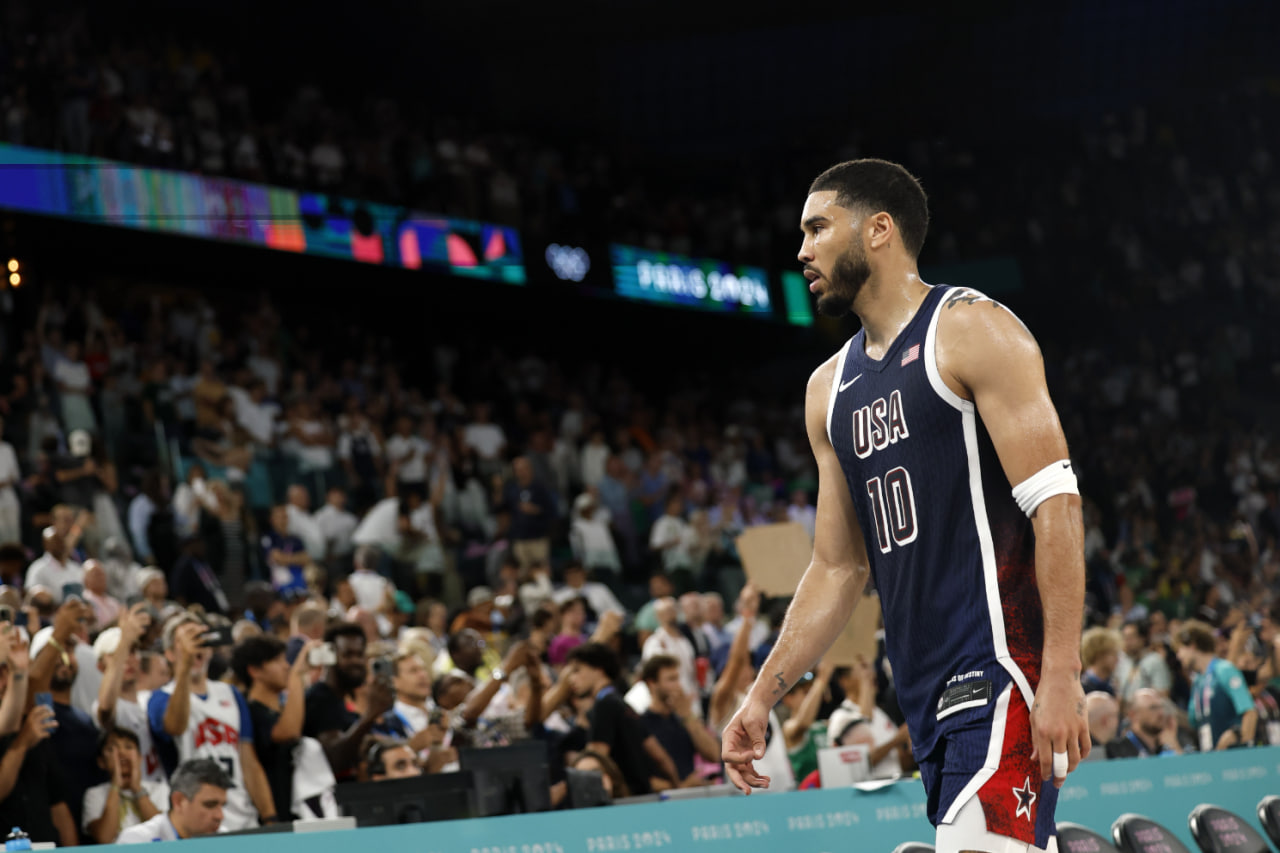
(1026, 798)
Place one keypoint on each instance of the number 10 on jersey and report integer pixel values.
(893, 507)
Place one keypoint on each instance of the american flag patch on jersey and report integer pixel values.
(911, 355)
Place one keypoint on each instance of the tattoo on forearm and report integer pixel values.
(782, 684)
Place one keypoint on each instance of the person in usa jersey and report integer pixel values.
(193, 717)
(944, 476)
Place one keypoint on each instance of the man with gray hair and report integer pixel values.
(197, 794)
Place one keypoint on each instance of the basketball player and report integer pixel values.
(944, 475)
(193, 717)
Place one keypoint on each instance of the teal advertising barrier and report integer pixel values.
(828, 821)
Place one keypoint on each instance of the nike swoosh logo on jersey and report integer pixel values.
(850, 382)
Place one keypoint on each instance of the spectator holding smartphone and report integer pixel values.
(329, 717)
(193, 717)
(118, 704)
(31, 791)
(75, 742)
(261, 664)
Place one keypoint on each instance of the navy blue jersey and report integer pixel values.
(951, 554)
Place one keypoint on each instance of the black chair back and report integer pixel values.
(1217, 830)
(1074, 838)
(913, 847)
(1134, 833)
(1269, 817)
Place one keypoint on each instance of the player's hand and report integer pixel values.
(1058, 723)
(742, 744)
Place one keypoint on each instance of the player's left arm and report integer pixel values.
(987, 355)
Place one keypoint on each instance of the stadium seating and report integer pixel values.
(1074, 838)
(1269, 817)
(1137, 834)
(1217, 830)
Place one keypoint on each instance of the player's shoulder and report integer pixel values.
(969, 318)
(819, 384)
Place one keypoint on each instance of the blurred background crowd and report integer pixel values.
(447, 540)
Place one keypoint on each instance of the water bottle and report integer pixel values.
(17, 840)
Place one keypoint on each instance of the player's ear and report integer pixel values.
(879, 229)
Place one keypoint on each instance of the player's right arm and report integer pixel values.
(823, 602)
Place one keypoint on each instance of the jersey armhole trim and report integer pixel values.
(835, 386)
(940, 386)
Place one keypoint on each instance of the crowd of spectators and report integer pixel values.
(224, 538)
(1186, 209)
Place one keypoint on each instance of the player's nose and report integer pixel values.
(805, 255)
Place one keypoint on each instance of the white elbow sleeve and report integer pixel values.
(1053, 479)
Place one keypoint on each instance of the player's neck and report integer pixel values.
(887, 304)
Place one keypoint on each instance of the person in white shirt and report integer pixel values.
(255, 414)
(198, 717)
(192, 497)
(336, 525)
(127, 800)
(486, 438)
(405, 528)
(371, 589)
(590, 535)
(118, 704)
(197, 796)
(599, 597)
(10, 476)
(54, 567)
(72, 378)
(301, 524)
(859, 720)
(669, 640)
(802, 511)
(674, 538)
(407, 453)
(592, 459)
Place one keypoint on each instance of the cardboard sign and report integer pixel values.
(775, 556)
(859, 635)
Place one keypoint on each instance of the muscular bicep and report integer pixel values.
(837, 537)
(985, 354)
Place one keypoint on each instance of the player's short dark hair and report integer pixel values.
(877, 185)
(254, 651)
(597, 656)
(344, 629)
(654, 666)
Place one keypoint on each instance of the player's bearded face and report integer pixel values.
(848, 275)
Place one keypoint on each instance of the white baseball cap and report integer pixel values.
(107, 643)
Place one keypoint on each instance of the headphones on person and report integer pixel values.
(376, 756)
